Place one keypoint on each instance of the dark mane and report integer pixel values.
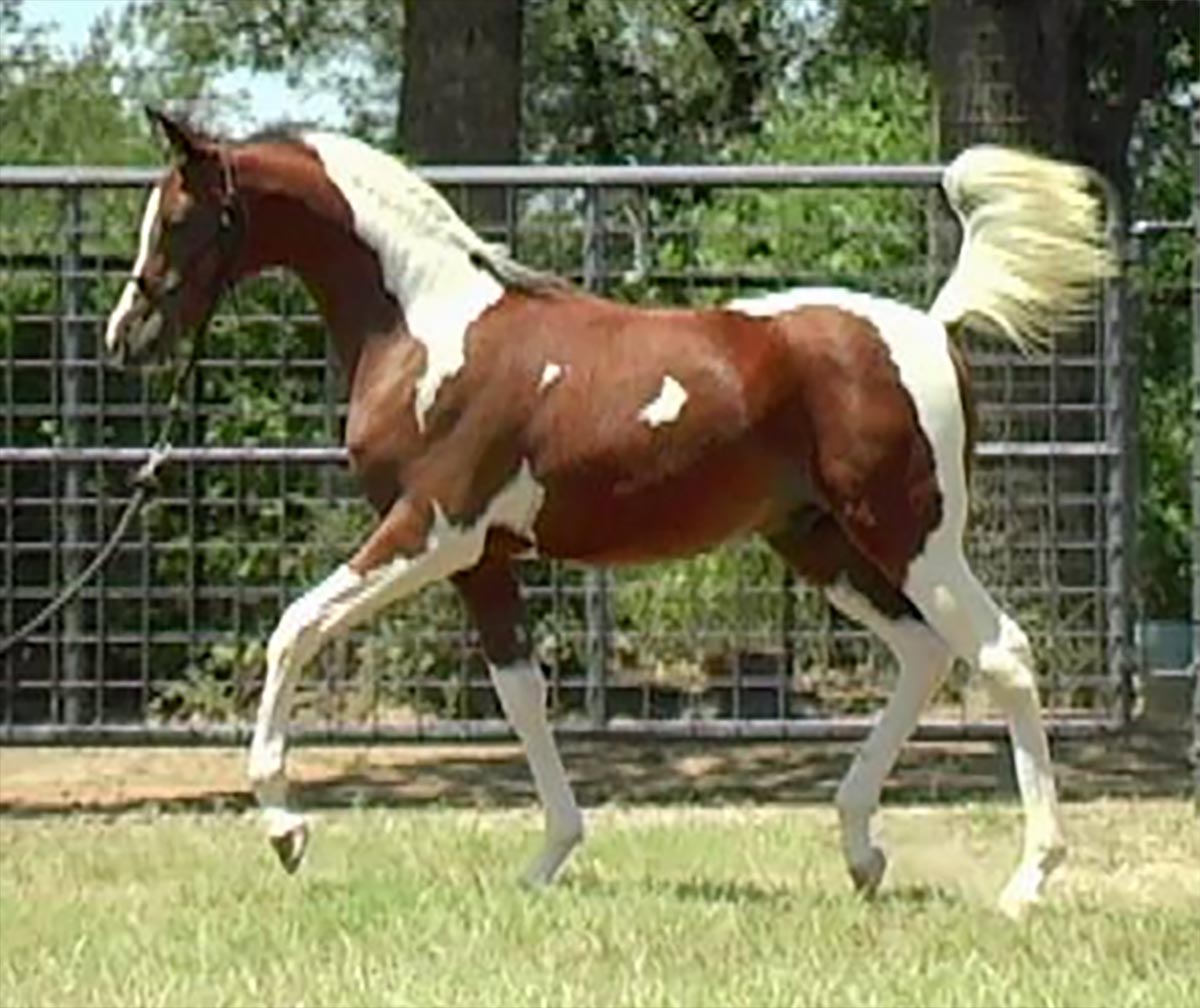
(510, 273)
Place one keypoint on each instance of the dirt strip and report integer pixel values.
(50, 780)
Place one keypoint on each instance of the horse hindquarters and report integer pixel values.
(890, 457)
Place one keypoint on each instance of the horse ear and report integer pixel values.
(186, 143)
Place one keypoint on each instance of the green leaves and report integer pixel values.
(869, 112)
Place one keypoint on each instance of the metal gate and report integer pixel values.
(167, 643)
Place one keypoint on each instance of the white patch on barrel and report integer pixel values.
(424, 249)
(147, 236)
(667, 405)
(550, 374)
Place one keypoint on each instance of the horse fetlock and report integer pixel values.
(266, 776)
(564, 828)
(853, 807)
(554, 854)
(1024, 890)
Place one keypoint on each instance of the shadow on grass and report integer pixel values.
(742, 893)
(916, 895)
(691, 890)
(624, 772)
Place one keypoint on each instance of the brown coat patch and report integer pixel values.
(799, 414)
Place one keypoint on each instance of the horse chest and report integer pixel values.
(381, 430)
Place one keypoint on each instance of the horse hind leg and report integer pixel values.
(856, 587)
(491, 593)
(923, 660)
(957, 606)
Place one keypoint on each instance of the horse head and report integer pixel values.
(188, 248)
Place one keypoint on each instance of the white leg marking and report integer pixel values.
(953, 601)
(667, 405)
(424, 250)
(341, 601)
(298, 636)
(550, 374)
(522, 691)
(923, 658)
(147, 236)
(345, 599)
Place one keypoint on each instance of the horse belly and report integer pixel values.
(605, 518)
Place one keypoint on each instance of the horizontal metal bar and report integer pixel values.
(814, 730)
(1045, 449)
(213, 455)
(1151, 227)
(219, 455)
(110, 176)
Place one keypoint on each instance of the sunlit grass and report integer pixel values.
(733, 906)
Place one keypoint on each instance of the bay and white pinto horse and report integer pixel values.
(496, 412)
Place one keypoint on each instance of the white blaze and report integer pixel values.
(667, 405)
(147, 235)
(424, 252)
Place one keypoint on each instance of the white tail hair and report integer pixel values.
(1034, 246)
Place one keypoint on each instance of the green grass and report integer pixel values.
(735, 906)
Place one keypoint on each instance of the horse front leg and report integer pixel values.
(493, 597)
(406, 551)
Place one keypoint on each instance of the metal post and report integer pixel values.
(73, 657)
(788, 633)
(1196, 443)
(1120, 505)
(596, 580)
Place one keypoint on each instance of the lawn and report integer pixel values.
(664, 906)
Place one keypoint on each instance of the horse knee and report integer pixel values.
(294, 630)
(1007, 662)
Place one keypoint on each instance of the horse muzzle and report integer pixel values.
(141, 338)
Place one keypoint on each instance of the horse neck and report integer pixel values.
(313, 239)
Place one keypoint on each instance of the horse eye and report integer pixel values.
(142, 284)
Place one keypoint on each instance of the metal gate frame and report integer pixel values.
(1116, 447)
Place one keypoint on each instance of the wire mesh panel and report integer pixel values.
(258, 505)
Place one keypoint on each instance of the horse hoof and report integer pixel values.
(290, 846)
(1015, 906)
(869, 873)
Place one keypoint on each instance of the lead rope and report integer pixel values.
(145, 480)
(145, 483)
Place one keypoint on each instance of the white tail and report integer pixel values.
(1033, 249)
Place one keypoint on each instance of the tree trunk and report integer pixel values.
(461, 96)
(1065, 77)
(1012, 72)
(1006, 71)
